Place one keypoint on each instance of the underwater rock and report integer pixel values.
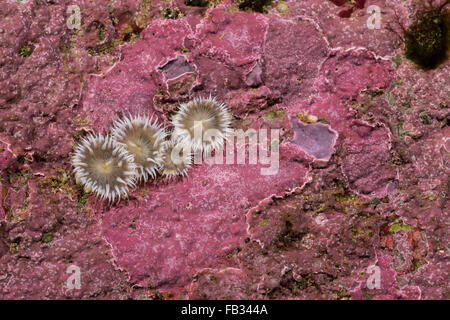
(363, 140)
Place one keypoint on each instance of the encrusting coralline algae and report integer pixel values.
(373, 195)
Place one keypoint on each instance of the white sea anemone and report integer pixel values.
(177, 159)
(202, 124)
(143, 138)
(104, 167)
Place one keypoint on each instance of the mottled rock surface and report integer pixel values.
(362, 186)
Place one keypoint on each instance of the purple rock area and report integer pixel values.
(358, 208)
(316, 139)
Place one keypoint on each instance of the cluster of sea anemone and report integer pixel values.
(139, 148)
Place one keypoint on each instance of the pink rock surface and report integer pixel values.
(133, 82)
(365, 186)
(200, 224)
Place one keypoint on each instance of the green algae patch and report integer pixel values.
(56, 182)
(427, 38)
(397, 226)
(397, 61)
(323, 120)
(253, 5)
(425, 118)
(102, 49)
(101, 30)
(17, 213)
(26, 50)
(282, 7)
(61, 182)
(172, 13)
(416, 265)
(347, 200)
(274, 114)
(81, 197)
(201, 3)
(47, 237)
(13, 247)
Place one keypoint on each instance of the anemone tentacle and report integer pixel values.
(142, 136)
(103, 167)
(177, 159)
(202, 124)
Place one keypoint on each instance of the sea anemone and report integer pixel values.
(202, 124)
(177, 159)
(143, 138)
(103, 167)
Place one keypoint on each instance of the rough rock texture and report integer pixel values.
(364, 154)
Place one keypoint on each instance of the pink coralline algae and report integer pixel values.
(357, 208)
(202, 224)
